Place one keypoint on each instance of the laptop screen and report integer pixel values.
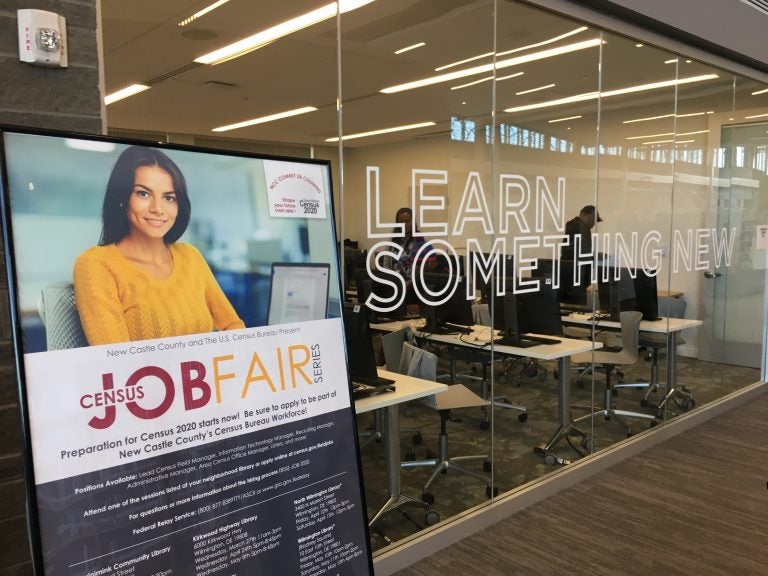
(298, 292)
(360, 354)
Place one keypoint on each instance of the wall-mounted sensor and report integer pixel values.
(42, 38)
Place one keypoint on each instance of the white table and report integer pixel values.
(560, 352)
(668, 326)
(406, 388)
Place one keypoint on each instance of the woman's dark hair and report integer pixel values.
(404, 210)
(114, 220)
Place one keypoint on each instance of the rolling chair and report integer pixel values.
(392, 347)
(481, 315)
(423, 364)
(656, 343)
(58, 311)
(609, 361)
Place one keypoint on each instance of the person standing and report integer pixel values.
(581, 227)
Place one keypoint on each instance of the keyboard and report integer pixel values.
(363, 389)
(541, 339)
(371, 380)
(527, 341)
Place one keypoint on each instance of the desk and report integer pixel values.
(668, 326)
(406, 388)
(561, 353)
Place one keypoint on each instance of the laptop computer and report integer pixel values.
(360, 355)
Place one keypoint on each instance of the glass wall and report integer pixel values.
(502, 128)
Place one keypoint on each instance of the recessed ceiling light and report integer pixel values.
(607, 93)
(489, 67)
(411, 47)
(534, 89)
(124, 93)
(639, 45)
(672, 61)
(381, 131)
(264, 119)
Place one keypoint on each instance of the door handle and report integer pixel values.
(712, 274)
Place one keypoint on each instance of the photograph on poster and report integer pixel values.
(60, 195)
(185, 385)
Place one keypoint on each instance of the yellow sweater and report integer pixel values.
(119, 302)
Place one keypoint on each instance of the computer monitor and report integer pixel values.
(298, 292)
(646, 296)
(357, 334)
(354, 260)
(367, 286)
(615, 295)
(506, 268)
(572, 291)
(519, 315)
(456, 311)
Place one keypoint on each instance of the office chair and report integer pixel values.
(482, 317)
(423, 364)
(58, 311)
(392, 347)
(656, 342)
(609, 361)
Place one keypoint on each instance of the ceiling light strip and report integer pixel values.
(666, 116)
(264, 37)
(202, 12)
(564, 119)
(667, 134)
(264, 119)
(489, 67)
(545, 42)
(411, 47)
(381, 131)
(472, 83)
(755, 116)
(124, 93)
(515, 75)
(538, 44)
(594, 95)
(534, 89)
(760, 92)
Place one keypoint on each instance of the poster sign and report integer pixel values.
(295, 191)
(171, 431)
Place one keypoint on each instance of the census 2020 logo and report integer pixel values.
(309, 206)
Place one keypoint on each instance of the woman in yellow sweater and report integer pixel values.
(139, 283)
